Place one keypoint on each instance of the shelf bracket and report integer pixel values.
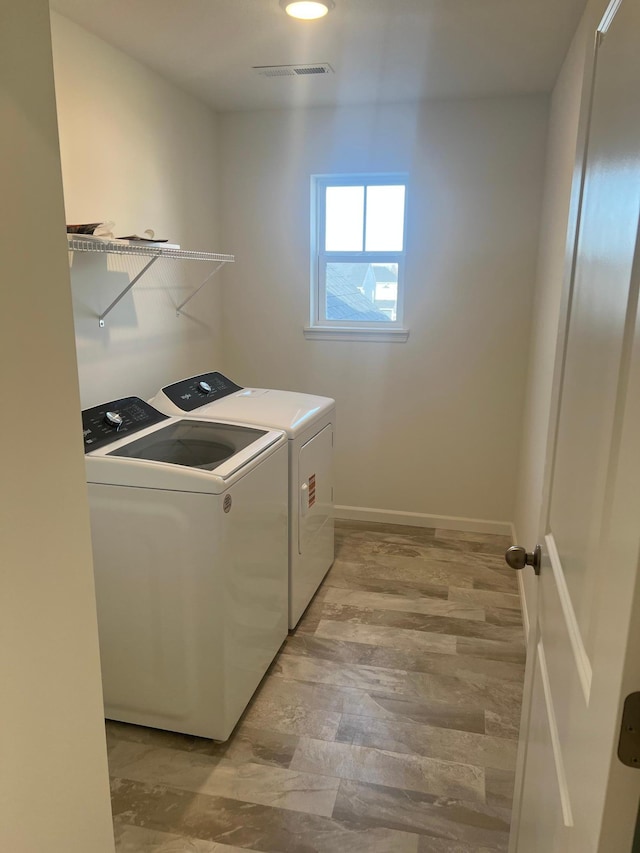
(198, 289)
(126, 290)
(89, 243)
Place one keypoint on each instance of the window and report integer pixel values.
(358, 245)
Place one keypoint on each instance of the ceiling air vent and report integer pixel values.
(293, 70)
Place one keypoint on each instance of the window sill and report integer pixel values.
(349, 333)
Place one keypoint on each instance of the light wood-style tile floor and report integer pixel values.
(387, 724)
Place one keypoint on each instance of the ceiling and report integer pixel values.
(381, 50)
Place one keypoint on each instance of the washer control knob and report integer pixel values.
(114, 419)
(204, 387)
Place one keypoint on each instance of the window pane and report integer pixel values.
(385, 219)
(344, 219)
(361, 292)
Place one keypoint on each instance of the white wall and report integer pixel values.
(137, 150)
(430, 426)
(566, 136)
(54, 793)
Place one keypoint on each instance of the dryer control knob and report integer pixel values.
(114, 419)
(204, 387)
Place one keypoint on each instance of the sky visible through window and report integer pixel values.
(345, 219)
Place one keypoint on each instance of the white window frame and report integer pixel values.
(320, 326)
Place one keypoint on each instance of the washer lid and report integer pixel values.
(179, 454)
(288, 410)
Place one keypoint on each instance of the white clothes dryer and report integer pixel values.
(309, 422)
(189, 531)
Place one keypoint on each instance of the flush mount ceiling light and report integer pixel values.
(307, 9)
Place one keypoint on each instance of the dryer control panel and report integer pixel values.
(190, 394)
(108, 422)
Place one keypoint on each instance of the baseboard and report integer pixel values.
(420, 519)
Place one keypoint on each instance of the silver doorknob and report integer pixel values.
(518, 558)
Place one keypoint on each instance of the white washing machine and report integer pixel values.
(189, 530)
(309, 422)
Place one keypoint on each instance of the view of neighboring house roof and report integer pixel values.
(352, 274)
(344, 300)
(382, 273)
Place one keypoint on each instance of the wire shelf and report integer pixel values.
(80, 243)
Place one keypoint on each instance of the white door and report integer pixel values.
(573, 794)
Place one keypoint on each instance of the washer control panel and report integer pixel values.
(110, 421)
(190, 394)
